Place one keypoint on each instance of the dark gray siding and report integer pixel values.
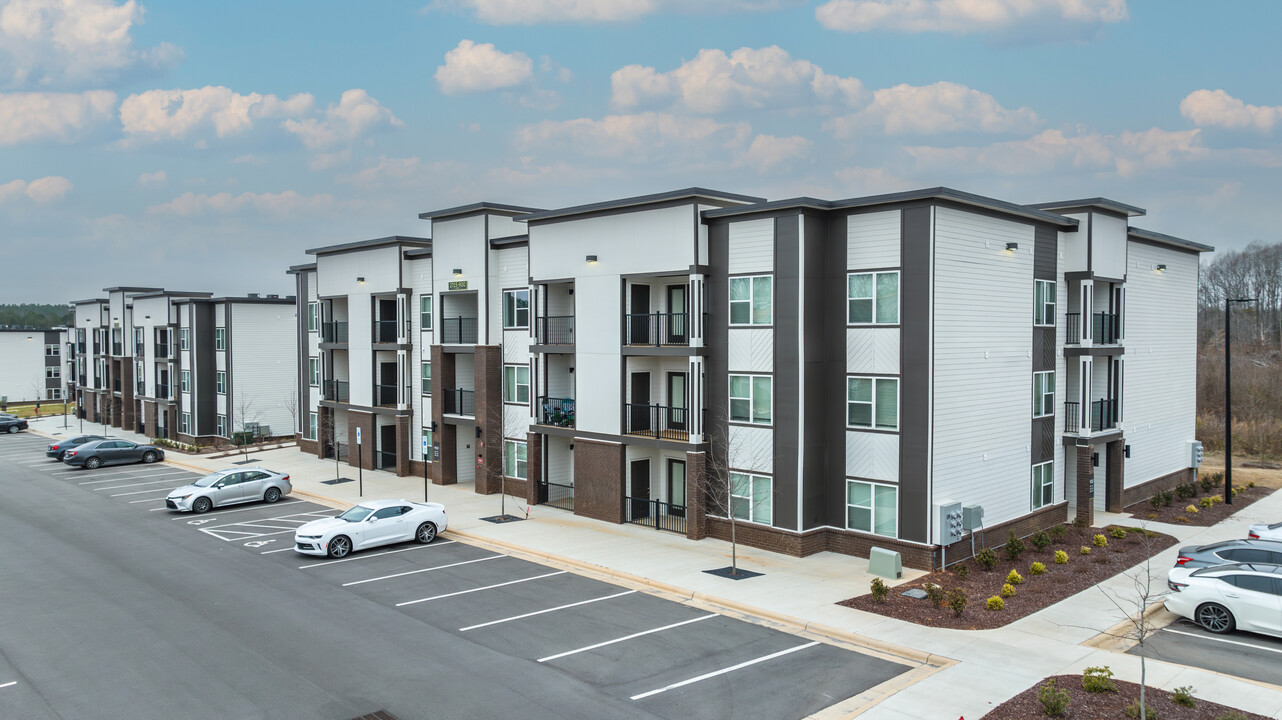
(787, 288)
(915, 375)
(204, 399)
(834, 324)
(816, 390)
(718, 340)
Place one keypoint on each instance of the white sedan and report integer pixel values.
(1244, 596)
(1266, 532)
(370, 524)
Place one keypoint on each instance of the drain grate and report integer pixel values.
(380, 715)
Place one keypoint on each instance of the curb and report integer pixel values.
(1114, 639)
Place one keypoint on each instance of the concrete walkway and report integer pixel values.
(963, 673)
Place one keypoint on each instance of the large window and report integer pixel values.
(751, 300)
(872, 508)
(750, 398)
(427, 378)
(220, 383)
(52, 350)
(872, 403)
(1044, 393)
(425, 312)
(872, 298)
(516, 309)
(313, 317)
(514, 459)
(53, 372)
(1043, 302)
(184, 338)
(1043, 484)
(220, 338)
(311, 426)
(313, 372)
(184, 380)
(516, 383)
(220, 425)
(752, 497)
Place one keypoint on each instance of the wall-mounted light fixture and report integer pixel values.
(1012, 246)
(1160, 268)
(592, 258)
(458, 272)
(146, 317)
(360, 281)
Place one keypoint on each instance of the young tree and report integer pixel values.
(246, 423)
(291, 407)
(326, 436)
(726, 489)
(496, 473)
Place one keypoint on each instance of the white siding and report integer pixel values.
(751, 448)
(1072, 246)
(1108, 245)
(645, 241)
(560, 461)
(752, 246)
(597, 360)
(22, 364)
(751, 350)
(264, 372)
(513, 268)
(516, 421)
(872, 350)
(336, 274)
(872, 240)
(516, 346)
(873, 456)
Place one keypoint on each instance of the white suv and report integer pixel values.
(1246, 596)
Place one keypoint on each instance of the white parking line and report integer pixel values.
(122, 471)
(487, 587)
(135, 492)
(11, 683)
(40, 461)
(723, 671)
(377, 555)
(541, 612)
(153, 482)
(175, 475)
(135, 502)
(283, 518)
(254, 507)
(423, 570)
(269, 552)
(1223, 640)
(633, 636)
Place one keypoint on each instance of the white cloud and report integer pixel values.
(930, 109)
(964, 17)
(153, 179)
(60, 117)
(388, 169)
(767, 151)
(1216, 108)
(41, 190)
(57, 42)
(283, 204)
(356, 115)
(748, 77)
(529, 12)
(638, 137)
(472, 68)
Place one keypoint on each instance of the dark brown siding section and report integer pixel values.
(915, 375)
(204, 400)
(598, 473)
(787, 356)
(718, 338)
(1043, 441)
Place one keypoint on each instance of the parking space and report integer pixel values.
(1238, 654)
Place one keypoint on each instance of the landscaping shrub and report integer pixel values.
(1061, 557)
(986, 558)
(1098, 680)
(1037, 569)
(1233, 715)
(1133, 711)
(1080, 521)
(935, 594)
(1251, 484)
(1057, 532)
(1014, 547)
(1206, 502)
(1208, 482)
(957, 601)
(1014, 578)
(1184, 492)
(1040, 540)
(1183, 696)
(1100, 541)
(1181, 518)
(1156, 502)
(1168, 497)
(1085, 550)
(1118, 533)
(879, 590)
(995, 603)
(963, 571)
(1007, 591)
(1216, 499)
(1054, 700)
(1191, 509)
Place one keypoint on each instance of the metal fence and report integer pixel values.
(555, 330)
(656, 329)
(459, 402)
(656, 514)
(458, 331)
(556, 495)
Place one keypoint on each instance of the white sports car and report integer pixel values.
(370, 524)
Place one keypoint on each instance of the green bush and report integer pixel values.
(1014, 547)
(1117, 533)
(1216, 499)
(1014, 578)
(1156, 502)
(957, 601)
(1100, 541)
(1184, 492)
(1040, 540)
(1007, 591)
(879, 590)
(1168, 497)
(995, 603)
(935, 594)
(1251, 484)
(986, 558)
(1061, 557)
(963, 571)
(1057, 532)
(1037, 569)
(1098, 680)
(1183, 696)
(1233, 715)
(1206, 502)
(1086, 550)
(1133, 711)
(1054, 700)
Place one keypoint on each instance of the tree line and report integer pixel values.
(26, 316)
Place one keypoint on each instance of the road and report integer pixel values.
(117, 608)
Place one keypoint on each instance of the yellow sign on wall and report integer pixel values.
(458, 285)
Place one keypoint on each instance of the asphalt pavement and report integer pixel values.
(1236, 654)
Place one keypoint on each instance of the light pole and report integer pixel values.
(1228, 399)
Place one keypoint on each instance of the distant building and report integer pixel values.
(33, 365)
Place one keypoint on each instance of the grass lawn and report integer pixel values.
(52, 407)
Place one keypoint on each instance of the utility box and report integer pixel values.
(972, 517)
(885, 563)
(1195, 453)
(950, 523)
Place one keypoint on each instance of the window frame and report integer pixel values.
(184, 338)
(53, 350)
(751, 301)
(751, 399)
(184, 381)
(220, 382)
(313, 372)
(1044, 402)
(514, 384)
(313, 426)
(425, 312)
(873, 514)
(220, 425)
(875, 382)
(519, 460)
(1042, 303)
(751, 503)
(220, 339)
(425, 377)
(874, 299)
(313, 317)
(1044, 484)
(53, 372)
(184, 423)
(514, 323)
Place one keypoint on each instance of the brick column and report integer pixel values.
(1085, 503)
(445, 470)
(403, 445)
(533, 467)
(1114, 475)
(324, 429)
(696, 501)
(149, 408)
(361, 455)
(489, 416)
(598, 480)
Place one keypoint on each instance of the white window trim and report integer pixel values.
(751, 290)
(220, 339)
(515, 385)
(753, 502)
(1037, 486)
(752, 398)
(184, 423)
(873, 426)
(220, 382)
(1040, 411)
(313, 372)
(184, 339)
(425, 388)
(313, 423)
(220, 425)
(1039, 306)
(875, 275)
(184, 381)
(514, 444)
(515, 311)
(313, 317)
(872, 508)
(425, 325)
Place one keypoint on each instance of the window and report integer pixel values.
(426, 434)
(220, 384)
(872, 403)
(220, 425)
(751, 497)
(313, 317)
(1255, 583)
(872, 298)
(311, 426)
(220, 338)
(750, 300)
(425, 312)
(1044, 393)
(427, 378)
(313, 372)
(184, 380)
(514, 459)
(750, 398)
(184, 338)
(53, 394)
(516, 309)
(516, 384)
(53, 372)
(1043, 302)
(52, 350)
(184, 424)
(872, 508)
(1043, 484)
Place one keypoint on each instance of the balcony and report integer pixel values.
(115, 384)
(459, 402)
(657, 421)
(140, 350)
(656, 329)
(162, 392)
(557, 412)
(459, 331)
(334, 332)
(162, 351)
(385, 331)
(336, 391)
(1106, 330)
(1103, 415)
(117, 348)
(385, 395)
(555, 330)
(1072, 328)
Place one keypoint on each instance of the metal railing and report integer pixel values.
(1106, 329)
(334, 332)
(117, 349)
(384, 394)
(1072, 328)
(656, 329)
(140, 350)
(657, 421)
(558, 412)
(1103, 414)
(162, 351)
(336, 391)
(656, 514)
(458, 331)
(162, 392)
(115, 384)
(554, 330)
(556, 495)
(385, 459)
(459, 402)
(1072, 417)
(384, 331)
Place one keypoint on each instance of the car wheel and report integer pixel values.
(62, 456)
(93, 463)
(13, 429)
(202, 505)
(340, 546)
(149, 457)
(272, 495)
(426, 533)
(1216, 618)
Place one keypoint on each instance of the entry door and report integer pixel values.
(639, 318)
(639, 420)
(387, 444)
(640, 493)
(677, 323)
(676, 401)
(676, 488)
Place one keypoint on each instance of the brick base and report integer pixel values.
(598, 484)
(1146, 490)
(308, 446)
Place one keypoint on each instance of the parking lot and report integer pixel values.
(1238, 654)
(666, 658)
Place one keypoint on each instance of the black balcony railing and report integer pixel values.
(386, 459)
(657, 421)
(162, 392)
(1103, 414)
(115, 384)
(334, 332)
(336, 391)
(459, 402)
(384, 394)
(384, 331)
(459, 331)
(162, 351)
(556, 495)
(1072, 417)
(140, 350)
(1106, 330)
(656, 514)
(558, 412)
(117, 349)
(555, 330)
(1072, 328)
(656, 329)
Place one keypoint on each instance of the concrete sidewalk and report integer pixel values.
(964, 673)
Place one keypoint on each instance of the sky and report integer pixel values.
(206, 146)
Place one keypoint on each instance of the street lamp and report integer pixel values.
(1228, 399)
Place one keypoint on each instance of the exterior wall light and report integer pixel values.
(1160, 268)
(458, 272)
(360, 281)
(592, 259)
(1012, 246)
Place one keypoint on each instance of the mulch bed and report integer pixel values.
(1090, 706)
(1177, 514)
(1035, 593)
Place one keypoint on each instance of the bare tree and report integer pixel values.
(726, 488)
(497, 472)
(246, 423)
(326, 435)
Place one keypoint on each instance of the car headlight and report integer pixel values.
(309, 537)
(181, 497)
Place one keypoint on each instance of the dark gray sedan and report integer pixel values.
(12, 424)
(58, 448)
(1230, 551)
(112, 452)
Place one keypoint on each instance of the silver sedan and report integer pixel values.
(229, 487)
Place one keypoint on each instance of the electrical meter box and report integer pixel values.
(1195, 454)
(972, 517)
(950, 523)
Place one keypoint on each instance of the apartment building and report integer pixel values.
(33, 365)
(836, 374)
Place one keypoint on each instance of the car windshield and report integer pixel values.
(356, 514)
(209, 479)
